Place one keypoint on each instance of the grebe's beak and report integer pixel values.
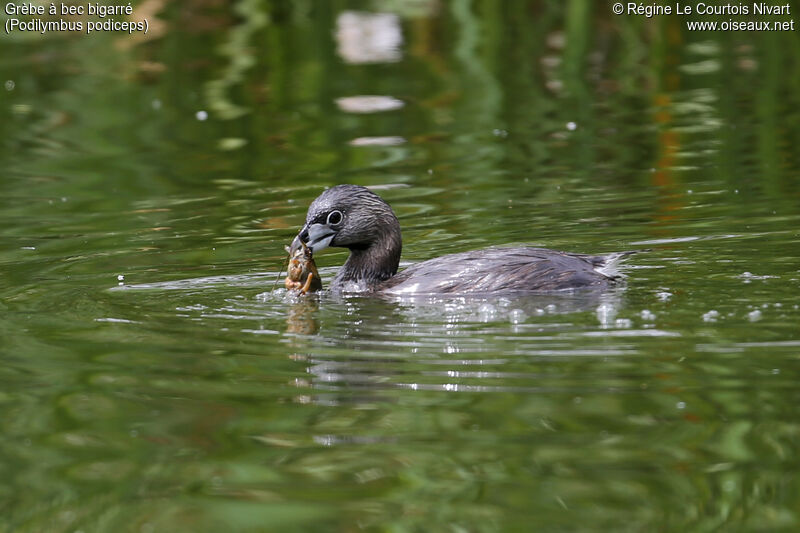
(316, 236)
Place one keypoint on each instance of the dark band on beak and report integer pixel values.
(316, 237)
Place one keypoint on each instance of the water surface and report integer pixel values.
(153, 380)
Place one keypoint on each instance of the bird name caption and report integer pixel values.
(31, 23)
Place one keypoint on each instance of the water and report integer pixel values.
(152, 380)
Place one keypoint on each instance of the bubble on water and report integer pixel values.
(517, 316)
(754, 316)
(539, 311)
(120, 277)
(749, 276)
(681, 405)
(648, 315)
(776, 371)
(606, 313)
(499, 133)
(487, 312)
(623, 323)
(663, 295)
(156, 104)
(711, 316)
(551, 308)
(571, 126)
(9, 85)
(201, 115)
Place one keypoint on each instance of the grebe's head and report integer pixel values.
(348, 216)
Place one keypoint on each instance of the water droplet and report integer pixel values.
(648, 315)
(623, 323)
(517, 316)
(606, 314)
(487, 312)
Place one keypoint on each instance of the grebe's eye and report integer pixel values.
(335, 217)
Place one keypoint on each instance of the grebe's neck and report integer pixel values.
(374, 263)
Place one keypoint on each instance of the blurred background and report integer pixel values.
(151, 379)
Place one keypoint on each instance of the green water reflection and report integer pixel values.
(151, 381)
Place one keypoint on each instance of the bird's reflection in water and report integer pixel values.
(379, 345)
(301, 318)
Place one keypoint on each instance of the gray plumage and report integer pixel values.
(354, 217)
